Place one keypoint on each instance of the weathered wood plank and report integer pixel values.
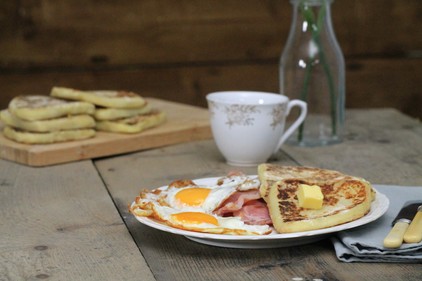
(138, 32)
(369, 156)
(381, 83)
(47, 32)
(161, 46)
(382, 146)
(370, 83)
(59, 223)
(378, 28)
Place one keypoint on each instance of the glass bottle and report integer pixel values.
(312, 69)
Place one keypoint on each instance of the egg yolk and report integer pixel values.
(193, 196)
(194, 218)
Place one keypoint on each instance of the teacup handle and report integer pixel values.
(299, 120)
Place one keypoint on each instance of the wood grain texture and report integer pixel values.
(159, 45)
(75, 33)
(59, 223)
(367, 152)
(184, 123)
(397, 86)
(382, 146)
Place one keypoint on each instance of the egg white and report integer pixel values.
(217, 195)
(240, 182)
(226, 225)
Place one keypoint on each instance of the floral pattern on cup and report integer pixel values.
(242, 114)
(278, 114)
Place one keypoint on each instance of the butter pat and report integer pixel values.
(310, 196)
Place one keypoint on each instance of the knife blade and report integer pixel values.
(394, 238)
(414, 231)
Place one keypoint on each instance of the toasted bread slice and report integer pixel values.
(34, 108)
(51, 125)
(270, 173)
(47, 138)
(119, 113)
(112, 99)
(346, 198)
(134, 124)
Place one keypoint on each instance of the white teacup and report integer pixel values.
(248, 126)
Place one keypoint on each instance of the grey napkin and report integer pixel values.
(365, 243)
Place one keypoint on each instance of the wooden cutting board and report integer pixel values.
(184, 123)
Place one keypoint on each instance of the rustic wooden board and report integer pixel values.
(184, 123)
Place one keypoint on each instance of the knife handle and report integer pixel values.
(394, 239)
(414, 232)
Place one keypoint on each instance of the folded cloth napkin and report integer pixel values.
(365, 243)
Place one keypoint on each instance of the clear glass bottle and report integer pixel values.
(312, 69)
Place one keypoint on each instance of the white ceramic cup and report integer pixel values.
(248, 126)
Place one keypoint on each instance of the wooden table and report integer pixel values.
(71, 221)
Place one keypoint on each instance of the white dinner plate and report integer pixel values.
(274, 240)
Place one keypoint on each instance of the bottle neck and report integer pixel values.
(311, 33)
(312, 15)
(312, 2)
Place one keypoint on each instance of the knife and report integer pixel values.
(394, 239)
(414, 231)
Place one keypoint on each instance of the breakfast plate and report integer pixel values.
(273, 240)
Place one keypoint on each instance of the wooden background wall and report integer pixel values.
(181, 50)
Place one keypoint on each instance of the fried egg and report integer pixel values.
(186, 205)
(187, 196)
(195, 198)
(210, 223)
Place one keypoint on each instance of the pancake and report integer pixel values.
(134, 124)
(50, 125)
(109, 98)
(47, 138)
(346, 198)
(119, 113)
(34, 108)
(270, 173)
